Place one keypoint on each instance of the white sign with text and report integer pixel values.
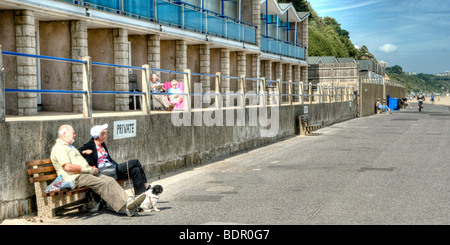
(124, 129)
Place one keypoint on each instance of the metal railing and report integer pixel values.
(268, 92)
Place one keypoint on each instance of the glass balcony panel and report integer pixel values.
(234, 30)
(216, 25)
(141, 8)
(112, 4)
(194, 19)
(249, 34)
(169, 13)
(274, 46)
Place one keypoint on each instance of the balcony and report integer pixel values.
(177, 14)
(279, 47)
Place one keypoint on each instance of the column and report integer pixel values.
(225, 71)
(296, 79)
(256, 19)
(26, 67)
(79, 43)
(205, 68)
(180, 58)
(154, 52)
(121, 82)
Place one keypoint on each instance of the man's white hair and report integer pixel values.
(63, 129)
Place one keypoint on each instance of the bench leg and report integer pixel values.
(303, 129)
(45, 205)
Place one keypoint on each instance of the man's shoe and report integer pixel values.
(133, 203)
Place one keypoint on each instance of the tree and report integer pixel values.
(337, 27)
(395, 69)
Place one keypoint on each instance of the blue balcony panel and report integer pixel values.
(194, 20)
(169, 13)
(274, 46)
(141, 8)
(179, 14)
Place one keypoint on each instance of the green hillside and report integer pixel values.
(422, 82)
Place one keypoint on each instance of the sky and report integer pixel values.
(414, 34)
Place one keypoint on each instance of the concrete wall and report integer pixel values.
(371, 92)
(7, 40)
(159, 145)
(55, 75)
(101, 49)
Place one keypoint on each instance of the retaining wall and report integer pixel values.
(159, 144)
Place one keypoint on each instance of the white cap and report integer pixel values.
(97, 130)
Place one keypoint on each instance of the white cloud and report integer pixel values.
(388, 48)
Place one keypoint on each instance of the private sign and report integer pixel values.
(124, 129)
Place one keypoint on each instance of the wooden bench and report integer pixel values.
(41, 173)
(305, 126)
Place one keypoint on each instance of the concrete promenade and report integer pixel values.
(388, 169)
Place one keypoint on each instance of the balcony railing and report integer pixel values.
(279, 47)
(178, 14)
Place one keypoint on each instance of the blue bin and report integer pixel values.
(393, 103)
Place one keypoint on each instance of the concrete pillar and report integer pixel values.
(305, 37)
(79, 44)
(268, 70)
(26, 67)
(121, 74)
(154, 52)
(225, 70)
(241, 63)
(296, 79)
(205, 67)
(180, 58)
(256, 19)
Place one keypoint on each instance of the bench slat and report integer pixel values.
(40, 170)
(43, 178)
(68, 192)
(38, 162)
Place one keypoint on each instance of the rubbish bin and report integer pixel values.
(393, 103)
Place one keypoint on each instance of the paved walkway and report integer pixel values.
(381, 169)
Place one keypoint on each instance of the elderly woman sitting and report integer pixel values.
(96, 154)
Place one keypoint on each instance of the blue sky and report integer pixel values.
(414, 34)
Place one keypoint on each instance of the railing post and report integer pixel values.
(146, 99)
(242, 88)
(310, 93)
(290, 92)
(2, 89)
(187, 90)
(335, 93)
(279, 92)
(262, 95)
(300, 90)
(218, 94)
(87, 87)
(320, 94)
